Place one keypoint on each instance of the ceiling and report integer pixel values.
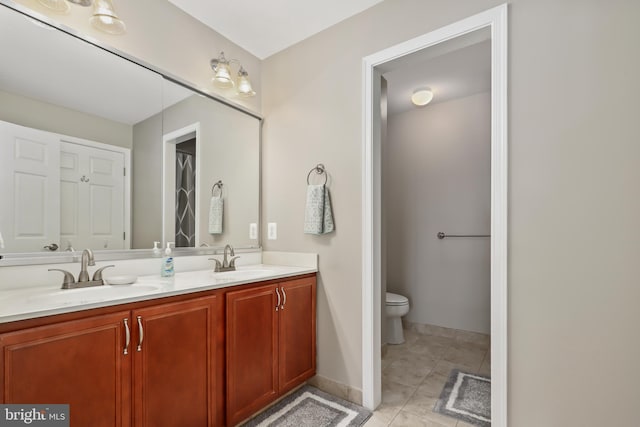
(266, 27)
(457, 74)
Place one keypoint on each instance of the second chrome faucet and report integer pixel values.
(226, 264)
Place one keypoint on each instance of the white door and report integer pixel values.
(91, 197)
(29, 188)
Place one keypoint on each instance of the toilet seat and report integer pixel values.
(395, 299)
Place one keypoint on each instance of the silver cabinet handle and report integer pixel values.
(284, 297)
(127, 336)
(141, 329)
(278, 303)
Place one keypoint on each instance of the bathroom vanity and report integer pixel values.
(199, 349)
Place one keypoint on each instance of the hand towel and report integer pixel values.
(318, 217)
(215, 215)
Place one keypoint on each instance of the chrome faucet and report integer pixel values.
(227, 264)
(87, 260)
(83, 277)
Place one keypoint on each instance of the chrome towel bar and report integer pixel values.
(441, 235)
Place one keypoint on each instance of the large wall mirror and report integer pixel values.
(99, 152)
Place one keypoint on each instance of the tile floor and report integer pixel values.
(414, 373)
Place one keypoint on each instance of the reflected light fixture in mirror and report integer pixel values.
(58, 6)
(422, 96)
(84, 3)
(105, 19)
(223, 79)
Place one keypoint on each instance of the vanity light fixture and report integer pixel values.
(223, 79)
(104, 18)
(422, 96)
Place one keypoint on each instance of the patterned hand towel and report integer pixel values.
(318, 217)
(215, 215)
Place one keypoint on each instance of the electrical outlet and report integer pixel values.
(253, 231)
(272, 231)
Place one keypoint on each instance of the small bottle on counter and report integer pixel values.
(167, 269)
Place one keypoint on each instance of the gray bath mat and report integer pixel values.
(310, 407)
(466, 397)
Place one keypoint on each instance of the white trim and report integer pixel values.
(170, 139)
(126, 152)
(496, 19)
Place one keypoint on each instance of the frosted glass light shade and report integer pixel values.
(58, 6)
(421, 97)
(244, 85)
(84, 3)
(222, 78)
(105, 19)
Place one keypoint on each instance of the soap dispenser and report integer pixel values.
(167, 269)
(157, 252)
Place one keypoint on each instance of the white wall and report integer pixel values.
(574, 210)
(436, 177)
(35, 114)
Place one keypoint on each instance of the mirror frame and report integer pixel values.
(15, 259)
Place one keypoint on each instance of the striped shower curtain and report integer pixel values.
(185, 200)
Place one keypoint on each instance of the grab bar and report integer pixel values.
(441, 235)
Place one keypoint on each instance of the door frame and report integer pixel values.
(496, 20)
(169, 142)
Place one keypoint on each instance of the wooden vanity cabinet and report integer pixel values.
(174, 363)
(79, 362)
(271, 343)
(164, 374)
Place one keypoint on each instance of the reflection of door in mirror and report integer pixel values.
(91, 197)
(65, 191)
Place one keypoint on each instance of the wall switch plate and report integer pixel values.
(253, 231)
(272, 231)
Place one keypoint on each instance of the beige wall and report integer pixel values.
(437, 177)
(574, 231)
(160, 34)
(53, 118)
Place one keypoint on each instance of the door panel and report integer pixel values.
(81, 363)
(252, 351)
(29, 184)
(175, 366)
(93, 195)
(297, 333)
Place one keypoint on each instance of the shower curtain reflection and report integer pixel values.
(185, 197)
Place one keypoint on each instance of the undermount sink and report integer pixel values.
(90, 295)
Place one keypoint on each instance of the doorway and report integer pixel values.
(496, 21)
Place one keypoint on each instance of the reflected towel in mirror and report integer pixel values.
(318, 216)
(215, 215)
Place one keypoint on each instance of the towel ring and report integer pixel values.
(217, 184)
(319, 170)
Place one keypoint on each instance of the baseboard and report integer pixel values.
(340, 390)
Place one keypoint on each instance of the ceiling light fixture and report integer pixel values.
(222, 78)
(84, 3)
(105, 19)
(58, 6)
(422, 96)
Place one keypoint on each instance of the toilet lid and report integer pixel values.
(395, 299)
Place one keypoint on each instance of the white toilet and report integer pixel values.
(396, 307)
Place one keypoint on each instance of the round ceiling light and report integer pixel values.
(422, 97)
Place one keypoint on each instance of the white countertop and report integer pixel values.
(16, 304)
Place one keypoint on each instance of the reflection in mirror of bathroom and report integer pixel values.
(113, 147)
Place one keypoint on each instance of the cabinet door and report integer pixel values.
(297, 332)
(81, 363)
(175, 363)
(252, 351)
